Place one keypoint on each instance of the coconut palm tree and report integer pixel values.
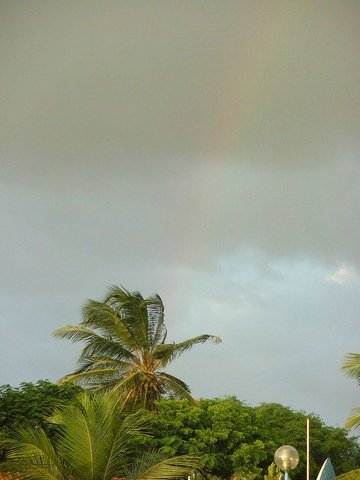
(351, 367)
(125, 348)
(94, 441)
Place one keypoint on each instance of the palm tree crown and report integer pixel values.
(351, 367)
(125, 348)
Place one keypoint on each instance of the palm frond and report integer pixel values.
(175, 388)
(155, 465)
(127, 382)
(120, 449)
(31, 454)
(351, 365)
(104, 318)
(76, 333)
(108, 347)
(157, 329)
(91, 377)
(131, 308)
(88, 427)
(354, 420)
(118, 293)
(119, 368)
(168, 352)
(96, 345)
(352, 475)
(85, 362)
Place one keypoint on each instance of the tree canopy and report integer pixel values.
(237, 438)
(31, 403)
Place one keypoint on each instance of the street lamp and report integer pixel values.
(286, 458)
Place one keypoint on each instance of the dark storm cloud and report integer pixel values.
(149, 85)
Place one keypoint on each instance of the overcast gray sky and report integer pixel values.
(204, 150)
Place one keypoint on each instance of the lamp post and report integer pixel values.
(286, 458)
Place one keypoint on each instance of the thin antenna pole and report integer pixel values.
(307, 449)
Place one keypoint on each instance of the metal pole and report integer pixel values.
(307, 449)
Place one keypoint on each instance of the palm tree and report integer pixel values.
(125, 348)
(94, 441)
(351, 367)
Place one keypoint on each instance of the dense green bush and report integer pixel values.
(32, 403)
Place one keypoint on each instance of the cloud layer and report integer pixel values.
(144, 85)
(206, 151)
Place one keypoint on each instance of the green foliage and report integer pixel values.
(273, 472)
(93, 442)
(238, 439)
(233, 437)
(223, 430)
(247, 458)
(32, 403)
(125, 348)
(351, 366)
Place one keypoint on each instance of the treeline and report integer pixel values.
(233, 436)
(236, 437)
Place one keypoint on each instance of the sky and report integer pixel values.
(207, 151)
